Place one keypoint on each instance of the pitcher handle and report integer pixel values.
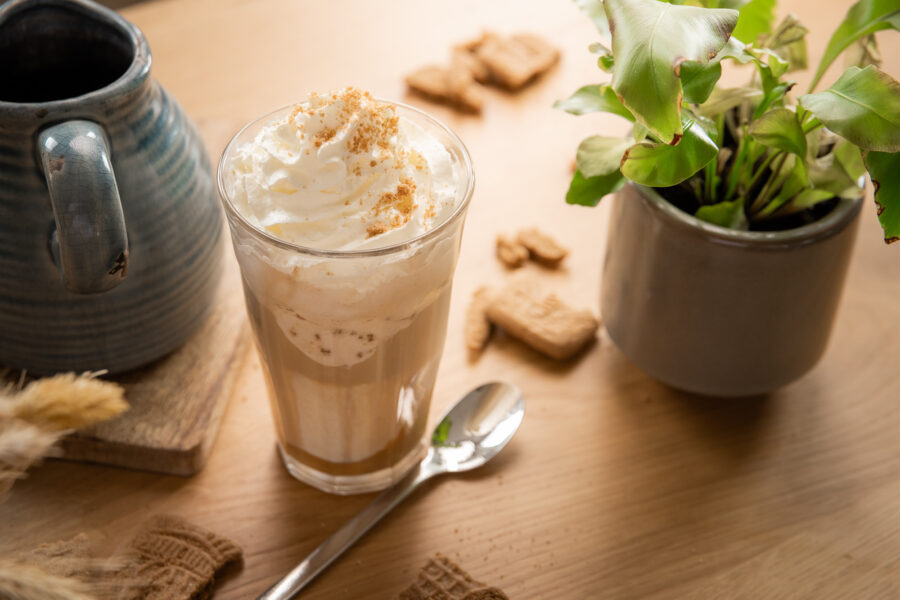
(90, 226)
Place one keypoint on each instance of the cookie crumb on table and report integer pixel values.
(511, 62)
(463, 56)
(516, 60)
(542, 247)
(478, 327)
(541, 320)
(510, 252)
(442, 579)
(453, 85)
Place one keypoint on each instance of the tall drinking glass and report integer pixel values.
(350, 341)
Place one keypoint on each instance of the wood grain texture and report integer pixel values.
(615, 486)
(176, 404)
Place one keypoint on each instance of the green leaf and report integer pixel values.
(640, 132)
(773, 90)
(789, 39)
(884, 169)
(662, 165)
(796, 56)
(779, 128)
(651, 41)
(699, 80)
(606, 63)
(708, 125)
(594, 98)
(849, 158)
(605, 59)
(789, 31)
(814, 141)
(589, 192)
(756, 19)
(724, 214)
(862, 53)
(598, 155)
(826, 173)
(735, 4)
(805, 199)
(439, 437)
(724, 99)
(770, 72)
(594, 9)
(864, 18)
(777, 66)
(735, 49)
(795, 182)
(863, 106)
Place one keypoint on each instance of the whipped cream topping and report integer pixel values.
(343, 172)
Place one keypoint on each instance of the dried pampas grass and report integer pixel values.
(66, 401)
(20, 581)
(34, 418)
(105, 578)
(22, 445)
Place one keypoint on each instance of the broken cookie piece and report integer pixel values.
(510, 252)
(543, 321)
(516, 60)
(542, 247)
(463, 56)
(478, 327)
(442, 579)
(453, 85)
(511, 62)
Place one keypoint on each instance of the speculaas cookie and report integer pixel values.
(442, 579)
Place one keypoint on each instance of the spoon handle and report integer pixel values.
(347, 535)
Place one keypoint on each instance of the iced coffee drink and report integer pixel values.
(346, 214)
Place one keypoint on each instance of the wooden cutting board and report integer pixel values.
(176, 403)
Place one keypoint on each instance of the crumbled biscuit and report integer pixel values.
(543, 321)
(478, 327)
(442, 579)
(510, 252)
(463, 56)
(453, 85)
(514, 61)
(542, 247)
(474, 44)
(178, 559)
(467, 95)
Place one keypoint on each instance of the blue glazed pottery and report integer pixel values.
(109, 225)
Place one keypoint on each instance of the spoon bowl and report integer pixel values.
(472, 432)
(477, 427)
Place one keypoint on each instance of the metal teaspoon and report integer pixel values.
(472, 432)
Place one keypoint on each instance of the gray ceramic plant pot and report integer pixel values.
(716, 311)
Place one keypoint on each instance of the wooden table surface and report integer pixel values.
(615, 486)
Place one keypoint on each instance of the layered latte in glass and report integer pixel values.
(346, 214)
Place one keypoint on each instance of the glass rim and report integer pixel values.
(267, 237)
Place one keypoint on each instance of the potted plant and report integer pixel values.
(736, 208)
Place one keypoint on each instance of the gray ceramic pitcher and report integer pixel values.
(109, 225)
